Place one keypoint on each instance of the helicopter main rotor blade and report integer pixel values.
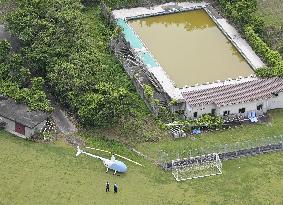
(129, 160)
(101, 150)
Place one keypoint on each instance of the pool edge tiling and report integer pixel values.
(153, 66)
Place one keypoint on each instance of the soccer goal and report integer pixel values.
(196, 167)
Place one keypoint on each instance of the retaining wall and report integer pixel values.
(235, 154)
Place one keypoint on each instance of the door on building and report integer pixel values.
(19, 128)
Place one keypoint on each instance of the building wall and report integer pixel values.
(249, 106)
(267, 104)
(189, 112)
(30, 132)
(10, 127)
(276, 102)
(40, 126)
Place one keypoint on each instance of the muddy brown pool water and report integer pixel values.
(190, 48)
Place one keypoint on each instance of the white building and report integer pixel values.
(19, 120)
(259, 95)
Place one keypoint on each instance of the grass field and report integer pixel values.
(271, 10)
(272, 13)
(32, 173)
(252, 133)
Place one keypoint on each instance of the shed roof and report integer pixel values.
(20, 113)
(235, 93)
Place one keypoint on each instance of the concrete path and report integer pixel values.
(3, 34)
(159, 9)
(62, 121)
(241, 44)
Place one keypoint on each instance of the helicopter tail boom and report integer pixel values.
(79, 151)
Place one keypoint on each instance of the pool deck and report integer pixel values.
(139, 12)
(3, 34)
(228, 30)
(241, 44)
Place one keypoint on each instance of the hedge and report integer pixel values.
(272, 58)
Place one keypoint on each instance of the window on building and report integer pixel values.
(195, 114)
(213, 111)
(275, 94)
(242, 110)
(259, 107)
(226, 112)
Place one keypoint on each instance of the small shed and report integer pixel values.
(19, 119)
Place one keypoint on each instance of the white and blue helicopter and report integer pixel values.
(113, 164)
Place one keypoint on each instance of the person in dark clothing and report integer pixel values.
(107, 187)
(115, 188)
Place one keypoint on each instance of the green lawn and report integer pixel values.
(32, 173)
(271, 10)
(250, 134)
(272, 13)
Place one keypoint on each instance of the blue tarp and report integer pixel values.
(129, 34)
(196, 131)
(135, 42)
(252, 116)
(148, 60)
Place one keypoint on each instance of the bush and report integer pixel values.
(242, 12)
(206, 120)
(67, 45)
(271, 57)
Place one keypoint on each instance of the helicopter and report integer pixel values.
(113, 164)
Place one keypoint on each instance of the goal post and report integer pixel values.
(196, 167)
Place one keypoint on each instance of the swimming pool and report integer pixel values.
(188, 46)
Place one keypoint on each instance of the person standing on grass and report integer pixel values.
(107, 187)
(115, 188)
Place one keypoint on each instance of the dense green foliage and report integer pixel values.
(271, 12)
(243, 13)
(207, 120)
(69, 49)
(16, 81)
(271, 57)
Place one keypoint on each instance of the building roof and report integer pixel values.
(20, 113)
(235, 93)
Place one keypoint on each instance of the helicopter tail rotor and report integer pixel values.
(79, 151)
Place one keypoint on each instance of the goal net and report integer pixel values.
(196, 167)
